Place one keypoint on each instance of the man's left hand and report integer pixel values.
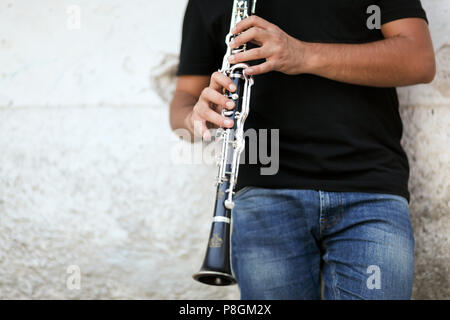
(282, 52)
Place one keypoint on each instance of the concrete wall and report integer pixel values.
(85, 181)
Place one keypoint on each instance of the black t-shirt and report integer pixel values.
(333, 136)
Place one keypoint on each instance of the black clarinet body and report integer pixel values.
(216, 268)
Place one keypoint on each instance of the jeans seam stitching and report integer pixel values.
(320, 213)
(334, 284)
(235, 255)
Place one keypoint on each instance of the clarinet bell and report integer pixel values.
(216, 268)
(214, 278)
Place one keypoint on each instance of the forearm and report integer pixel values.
(386, 63)
(180, 108)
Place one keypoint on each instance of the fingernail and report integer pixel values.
(249, 70)
(228, 122)
(206, 135)
(232, 87)
(231, 58)
(232, 43)
(234, 30)
(230, 104)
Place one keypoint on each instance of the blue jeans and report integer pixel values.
(285, 241)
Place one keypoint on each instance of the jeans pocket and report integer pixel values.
(398, 198)
(242, 191)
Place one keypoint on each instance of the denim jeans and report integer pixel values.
(286, 241)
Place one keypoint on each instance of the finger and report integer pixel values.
(260, 68)
(219, 81)
(255, 34)
(212, 96)
(252, 21)
(206, 113)
(217, 119)
(253, 54)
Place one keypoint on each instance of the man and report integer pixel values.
(337, 209)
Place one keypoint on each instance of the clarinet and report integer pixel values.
(216, 268)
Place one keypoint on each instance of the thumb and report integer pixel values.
(201, 130)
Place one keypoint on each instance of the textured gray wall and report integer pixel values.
(86, 177)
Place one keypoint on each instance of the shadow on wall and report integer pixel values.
(162, 78)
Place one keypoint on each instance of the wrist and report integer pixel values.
(304, 57)
(311, 58)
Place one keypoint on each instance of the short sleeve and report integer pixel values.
(400, 9)
(197, 53)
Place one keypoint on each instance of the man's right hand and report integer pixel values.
(208, 109)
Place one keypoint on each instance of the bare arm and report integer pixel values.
(404, 57)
